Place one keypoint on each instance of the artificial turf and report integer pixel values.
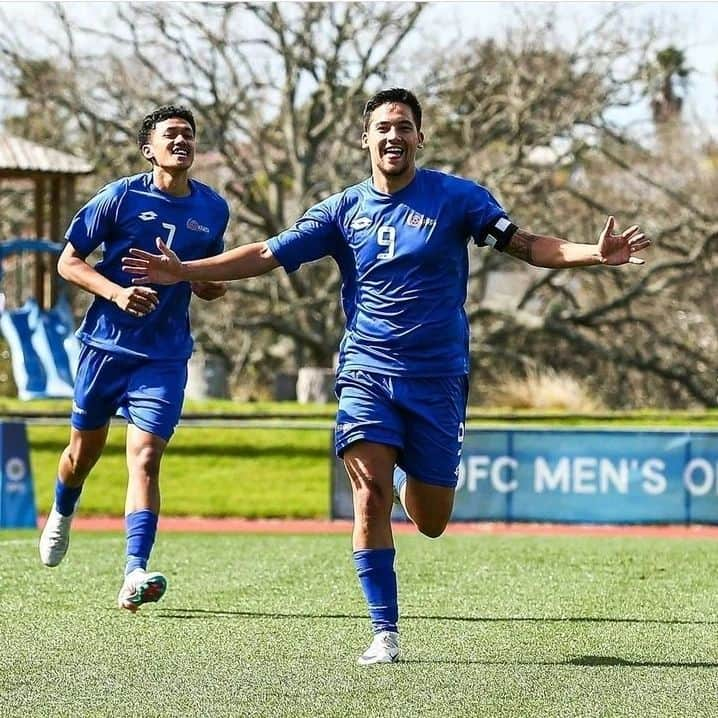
(271, 626)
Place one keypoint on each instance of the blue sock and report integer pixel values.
(141, 527)
(375, 569)
(399, 479)
(66, 497)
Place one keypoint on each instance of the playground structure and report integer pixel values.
(35, 313)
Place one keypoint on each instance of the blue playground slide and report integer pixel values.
(43, 348)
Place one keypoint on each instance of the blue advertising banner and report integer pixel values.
(17, 496)
(580, 476)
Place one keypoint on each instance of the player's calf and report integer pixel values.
(428, 506)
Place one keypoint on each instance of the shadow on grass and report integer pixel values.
(612, 661)
(190, 613)
(585, 661)
(242, 451)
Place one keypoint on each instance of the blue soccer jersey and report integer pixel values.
(132, 212)
(404, 264)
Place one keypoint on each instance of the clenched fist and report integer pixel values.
(137, 301)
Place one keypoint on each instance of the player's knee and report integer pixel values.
(432, 528)
(370, 500)
(146, 461)
(80, 462)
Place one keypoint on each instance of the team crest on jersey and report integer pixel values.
(147, 216)
(361, 223)
(195, 226)
(418, 220)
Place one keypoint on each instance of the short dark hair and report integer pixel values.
(160, 115)
(394, 94)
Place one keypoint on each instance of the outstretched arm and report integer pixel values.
(552, 252)
(250, 260)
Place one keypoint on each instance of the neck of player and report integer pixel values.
(390, 184)
(174, 183)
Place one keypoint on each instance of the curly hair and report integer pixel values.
(394, 94)
(160, 115)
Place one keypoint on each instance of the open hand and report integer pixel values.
(621, 248)
(163, 268)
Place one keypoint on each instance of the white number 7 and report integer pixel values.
(171, 229)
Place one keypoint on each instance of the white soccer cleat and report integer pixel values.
(55, 537)
(383, 649)
(141, 587)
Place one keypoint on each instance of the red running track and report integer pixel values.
(316, 526)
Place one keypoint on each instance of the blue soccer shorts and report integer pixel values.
(148, 393)
(422, 417)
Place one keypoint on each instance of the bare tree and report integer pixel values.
(278, 91)
(532, 119)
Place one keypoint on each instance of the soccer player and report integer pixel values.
(400, 239)
(135, 340)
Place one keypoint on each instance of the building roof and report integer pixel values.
(18, 155)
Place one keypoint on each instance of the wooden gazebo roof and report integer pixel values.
(53, 174)
(21, 158)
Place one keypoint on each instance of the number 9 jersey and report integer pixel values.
(133, 212)
(404, 263)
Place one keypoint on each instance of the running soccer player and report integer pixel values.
(135, 340)
(400, 240)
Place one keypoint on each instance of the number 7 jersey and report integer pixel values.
(132, 212)
(404, 263)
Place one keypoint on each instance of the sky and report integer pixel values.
(691, 26)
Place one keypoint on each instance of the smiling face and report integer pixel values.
(171, 145)
(392, 138)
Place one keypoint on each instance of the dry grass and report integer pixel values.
(545, 389)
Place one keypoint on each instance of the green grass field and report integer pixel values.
(271, 625)
(254, 472)
(205, 472)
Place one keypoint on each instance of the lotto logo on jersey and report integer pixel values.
(361, 223)
(418, 220)
(195, 226)
(147, 216)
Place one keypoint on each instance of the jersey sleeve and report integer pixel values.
(489, 224)
(313, 236)
(92, 225)
(217, 246)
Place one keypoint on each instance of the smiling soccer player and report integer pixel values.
(400, 239)
(135, 340)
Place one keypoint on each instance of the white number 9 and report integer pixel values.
(386, 237)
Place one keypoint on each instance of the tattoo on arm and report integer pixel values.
(521, 245)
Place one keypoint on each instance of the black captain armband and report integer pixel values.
(499, 233)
